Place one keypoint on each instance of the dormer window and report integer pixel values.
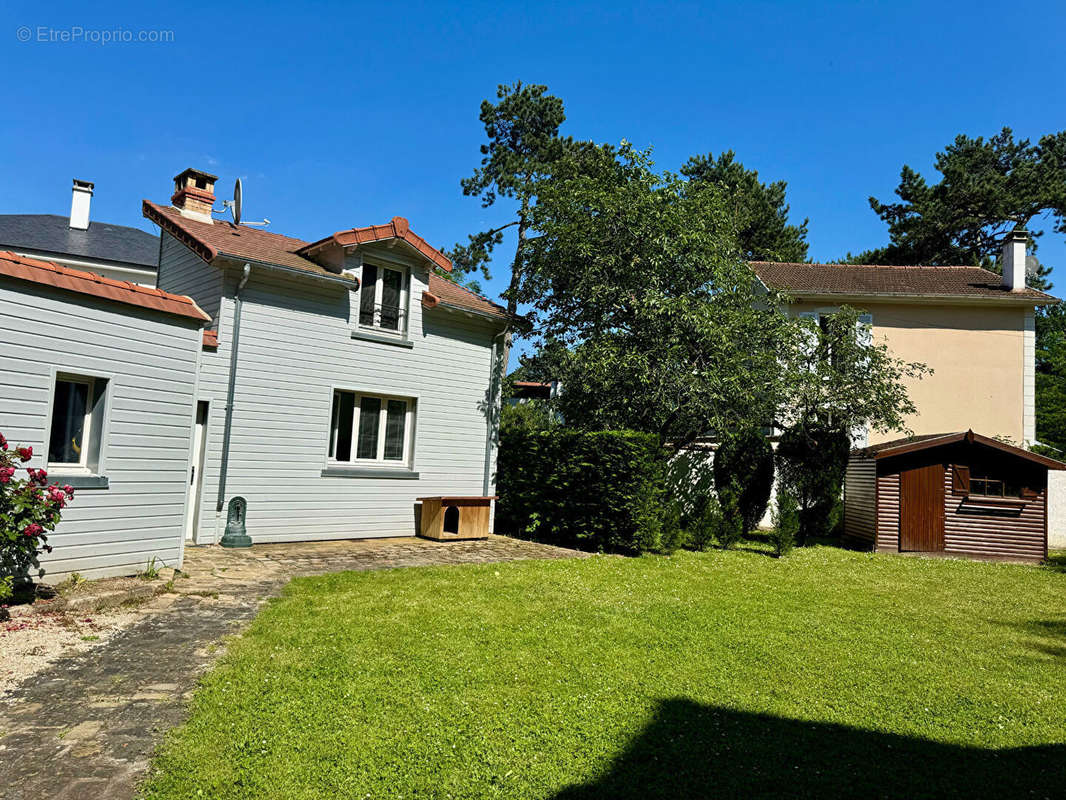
(383, 298)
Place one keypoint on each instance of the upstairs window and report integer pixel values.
(383, 298)
(76, 427)
(370, 429)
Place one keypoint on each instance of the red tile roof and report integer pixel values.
(238, 241)
(73, 280)
(397, 228)
(210, 240)
(452, 294)
(210, 338)
(904, 281)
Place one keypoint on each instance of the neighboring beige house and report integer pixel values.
(974, 328)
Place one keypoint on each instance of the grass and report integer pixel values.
(828, 674)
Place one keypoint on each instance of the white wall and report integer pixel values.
(1056, 509)
(149, 359)
(295, 348)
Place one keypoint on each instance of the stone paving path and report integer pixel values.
(87, 725)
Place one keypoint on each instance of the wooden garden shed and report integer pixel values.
(958, 494)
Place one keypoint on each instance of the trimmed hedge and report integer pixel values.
(603, 491)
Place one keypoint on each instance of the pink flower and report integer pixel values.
(69, 491)
(33, 529)
(39, 476)
(3, 442)
(56, 495)
(25, 453)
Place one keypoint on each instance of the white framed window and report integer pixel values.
(383, 298)
(370, 429)
(75, 430)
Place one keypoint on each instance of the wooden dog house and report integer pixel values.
(451, 518)
(957, 494)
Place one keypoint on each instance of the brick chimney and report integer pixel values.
(1013, 260)
(79, 205)
(194, 194)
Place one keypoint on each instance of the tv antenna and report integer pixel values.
(234, 206)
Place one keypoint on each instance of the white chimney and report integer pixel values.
(79, 205)
(1013, 260)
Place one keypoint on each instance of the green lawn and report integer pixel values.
(826, 674)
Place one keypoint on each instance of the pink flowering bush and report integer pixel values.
(30, 508)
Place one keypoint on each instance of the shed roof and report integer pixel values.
(961, 283)
(912, 444)
(74, 280)
(102, 241)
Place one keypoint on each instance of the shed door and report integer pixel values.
(921, 509)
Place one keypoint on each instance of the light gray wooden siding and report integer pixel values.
(183, 272)
(860, 501)
(295, 348)
(888, 512)
(150, 361)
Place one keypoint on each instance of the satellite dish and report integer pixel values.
(235, 209)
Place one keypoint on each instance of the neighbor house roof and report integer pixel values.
(74, 280)
(891, 281)
(912, 444)
(102, 241)
(211, 241)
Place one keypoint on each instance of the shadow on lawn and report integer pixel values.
(1052, 636)
(694, 751)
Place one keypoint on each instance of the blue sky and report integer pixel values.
(338, 115)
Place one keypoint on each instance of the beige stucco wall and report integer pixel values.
(978, 357)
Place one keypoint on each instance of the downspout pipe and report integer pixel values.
(231, 389)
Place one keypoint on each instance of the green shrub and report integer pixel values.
(811, 459)
(786, 523)
(746, 460)
(729, 526)
(532, 415)
(702, 527)
(30, 508)
(603, 491)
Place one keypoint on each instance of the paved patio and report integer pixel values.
(85, 727)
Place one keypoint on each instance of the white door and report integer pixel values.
(196, 470)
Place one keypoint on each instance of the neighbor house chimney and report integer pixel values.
(194, 194)
(79, 205)
(1013, 260)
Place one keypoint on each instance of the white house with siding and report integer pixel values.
(99, 377)
(340, 379)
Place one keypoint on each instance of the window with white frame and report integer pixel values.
(76, 426)
(383, 298)
(370, 429)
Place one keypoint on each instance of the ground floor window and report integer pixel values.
(370, 429)
(76, 426)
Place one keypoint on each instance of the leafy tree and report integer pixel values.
(847, 379)
(988, 187)
(522, 128)
(759, 210)
(744, 464)
(656, 323)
